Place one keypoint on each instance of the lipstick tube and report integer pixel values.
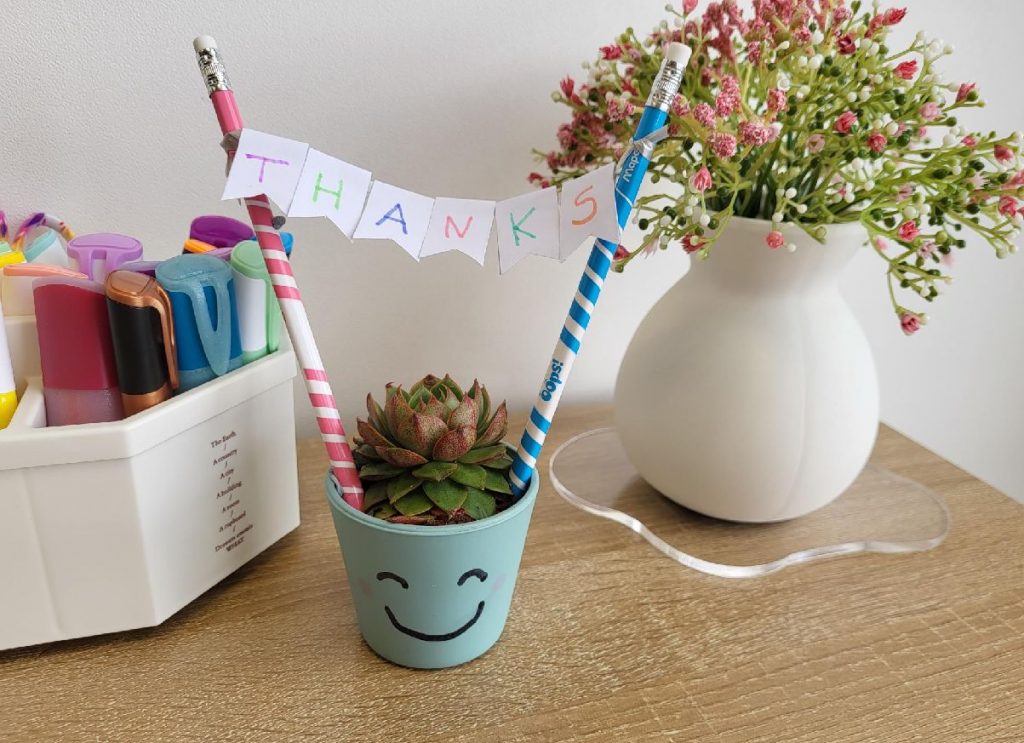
(76, 352)
(143, 335)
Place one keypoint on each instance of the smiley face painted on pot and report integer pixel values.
(419, 634)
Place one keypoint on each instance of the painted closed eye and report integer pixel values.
(474, 573)
(396, 578)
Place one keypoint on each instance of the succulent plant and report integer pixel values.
(433, 454)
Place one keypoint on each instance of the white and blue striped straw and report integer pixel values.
(649, 131)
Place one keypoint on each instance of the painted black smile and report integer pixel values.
(433, 638)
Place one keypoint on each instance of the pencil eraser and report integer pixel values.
(204, 42)
(675, 52)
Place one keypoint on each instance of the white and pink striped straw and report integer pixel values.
(332, 431)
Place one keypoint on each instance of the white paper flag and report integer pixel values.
(395, 214)
(459, 224)
(588, 210)
(332, 188)
(527, 224)
(266, 164)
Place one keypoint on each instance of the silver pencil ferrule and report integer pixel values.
(666, 85)
(212, 68)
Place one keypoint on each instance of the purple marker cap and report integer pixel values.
(98, 254)
(220, 232)
(145, 267)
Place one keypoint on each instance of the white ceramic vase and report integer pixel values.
(749, 391)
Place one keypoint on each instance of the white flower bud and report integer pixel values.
(688, 211)
(956, 170)
(791, 248)
(669, 8)
(801, 61)
(692, 201)
(891, 128)
(815, 62)
(869, 185)
(851, 97)
(849, 198)
(665, 221)
(705, 220)
(865, 94)
(678, 22)
(817, 37)
(877, 79)
(784, 46)
(777, 217)
(790, 193)
(862, 74)
(910, 212)
(801, 208)
(949, 140)
(856, 163)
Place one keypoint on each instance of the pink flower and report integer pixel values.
(906, 70)
(538, 180)
(927, 249)
(969, 141)
(910, 323)
(620, 253)
(1003, 153)
(704, 114)
(1008, 206)
(612, 51)
(881, 244)
(815, 143)
(892, 16)
(802, 34)
(701, 180)
(723, 145)
(726, 103)
(930, 111)
(904, 192)
(908, 230)
(754, 52)
(689, 6)
(755, 135)
(840, 14)
(679, 106)
(965, 90)
(730, 85)
(567, 85)
(691, 244)
(844, 123)
(775, 240)
(776, 99)
(947, 260)
(877, 142)
(845, 44)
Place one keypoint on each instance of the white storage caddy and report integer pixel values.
(113, 526)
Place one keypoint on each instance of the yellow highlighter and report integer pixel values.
(12, 257)
(8, 397)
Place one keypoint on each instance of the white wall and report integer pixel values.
(106, 123)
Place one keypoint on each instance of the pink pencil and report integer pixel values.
(317, 384)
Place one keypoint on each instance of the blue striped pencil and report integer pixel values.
(663, 93)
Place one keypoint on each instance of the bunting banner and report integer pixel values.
(304, 182)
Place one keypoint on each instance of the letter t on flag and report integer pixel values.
(265, 164)
(332, 188)
(588, 210)
(527, 224)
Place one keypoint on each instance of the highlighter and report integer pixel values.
(47, 249)
(218, 231)
(206, 333)
(16, 283)
(8, 395)
(76, 352)
(97, 255)
(11, 257)
(259, 314)
(143, 334)
(146, 267)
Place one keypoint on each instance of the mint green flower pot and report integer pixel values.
(431, 596)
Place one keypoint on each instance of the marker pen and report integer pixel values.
(8, 395)
(220, 232)
(47, 249)
(11, 258)
(287, 239)
(146, 267)
(76, 352)
(259, 314)
(99, 254)
(16, 283)
(143, 334)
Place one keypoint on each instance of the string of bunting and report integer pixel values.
(305, 182)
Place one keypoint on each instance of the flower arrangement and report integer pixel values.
(801, 112)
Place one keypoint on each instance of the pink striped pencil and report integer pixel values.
(317, 384)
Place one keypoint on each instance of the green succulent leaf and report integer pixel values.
(497, 481)
(446, 494)
(472, 475)
(435, 471)
(384, 511)
(455, 444)
(376, 412)
(464, 414)
(478, 504)
(365, 450)
(402, 485)
(371, 435)
(374, 494)
(451, 384)
(414, 504)
(497, 428)
(483, 454)
(379, 471)
(434, 408)
(401, 457)
(499, 463)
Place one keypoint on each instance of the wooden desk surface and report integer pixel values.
(926, 647)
